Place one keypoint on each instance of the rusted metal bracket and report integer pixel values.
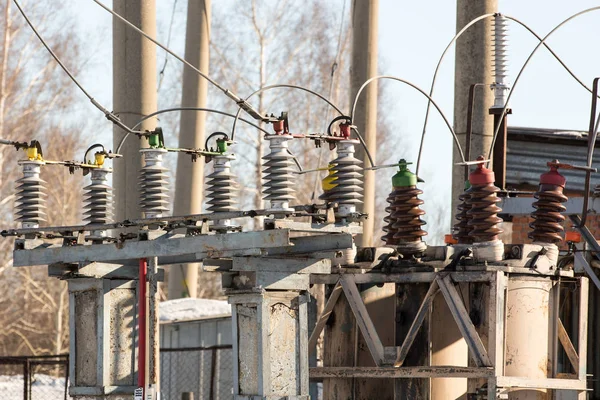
(416, 324)
(565, 340)
(465, 325)
(363, 320)
(327, 310)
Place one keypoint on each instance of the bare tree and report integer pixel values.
(35, 100)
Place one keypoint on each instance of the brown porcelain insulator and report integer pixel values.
(548, 219)
(388, 238)
(462, 228)
(407, 220)
(483, 213)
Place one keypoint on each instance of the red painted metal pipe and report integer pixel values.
(142, 324)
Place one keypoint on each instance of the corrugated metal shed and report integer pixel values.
(196, 354)
(189, 323)
(529, 149)
(203, 333)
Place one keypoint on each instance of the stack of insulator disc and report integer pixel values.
(153, 184)
(548, 219)
(98, 198)
(220, 185)
(483, 212)
(390, 231)
(278, 170)
(462, 229)
(348, 179)
(30, 195)
(408, 235)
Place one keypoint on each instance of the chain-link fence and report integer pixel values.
(34, 378)
(205, 371)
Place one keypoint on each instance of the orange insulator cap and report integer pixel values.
(449, 239)
(573, 236)
(482, 175)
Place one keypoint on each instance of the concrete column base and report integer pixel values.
(102, 324)
(270, 330)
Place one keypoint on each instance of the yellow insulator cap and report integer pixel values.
(32, 153)
(328, 182)
(99, 158)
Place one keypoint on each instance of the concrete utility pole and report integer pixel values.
(134, 95)
(365, 17)
(473, 65)
(343, 344)
(190, 176)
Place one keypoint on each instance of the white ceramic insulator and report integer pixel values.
(500, 49)
(154, 184)
(278, 170)
(500, 35)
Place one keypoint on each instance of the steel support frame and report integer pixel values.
(278, 264)
(489, 360)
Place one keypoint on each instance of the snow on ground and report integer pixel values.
(192, 308)
(42, 387)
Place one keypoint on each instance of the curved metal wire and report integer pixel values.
(547, 46)
(542, 41)
(167, 110)
(240, 103)
(281, 85)
(471, 23)
(457, 143)
(109, 115)
(437, 68)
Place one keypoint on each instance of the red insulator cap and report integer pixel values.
(482, 175)
(553, 177)
(278, 126)
(345, 130)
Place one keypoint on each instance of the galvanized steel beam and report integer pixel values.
(194, 247)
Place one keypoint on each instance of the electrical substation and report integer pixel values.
(476, 318)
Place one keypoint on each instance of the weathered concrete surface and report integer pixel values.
(103, 331)
(284, 329)
(86, 356)
(271, 344)
(190, 175)
(365, 21)
(134, 95)
(122, 344)
(248, 344)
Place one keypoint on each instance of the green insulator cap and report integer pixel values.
(154, 140)
(221, 145)
(404, 177)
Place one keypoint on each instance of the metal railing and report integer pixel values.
(34, 378)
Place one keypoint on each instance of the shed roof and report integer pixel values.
(188, 309)
(529, 149)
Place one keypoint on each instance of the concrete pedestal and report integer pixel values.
(270, 345)
(102, 323)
